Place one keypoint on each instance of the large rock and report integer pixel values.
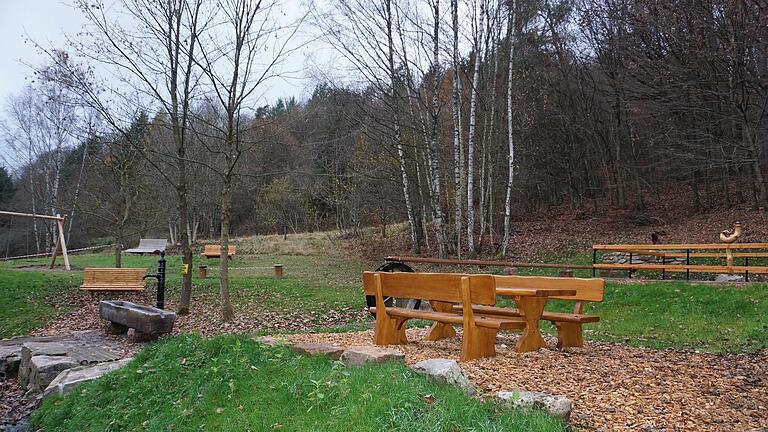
(144, 319)
(10, 359)
(445, 370)
(558, 406)
(314, 349)
(360, 355)
(43, 369)
(32, 349)
(67, 380)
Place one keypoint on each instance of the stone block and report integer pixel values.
(315, 349)
(43, 369)
(445, 371)
(145, 319)
(558, 406)
(67, 380)
(360, 355)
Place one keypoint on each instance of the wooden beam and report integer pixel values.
(683, 268)
(619, 247)
(7, 213)
(482, 263)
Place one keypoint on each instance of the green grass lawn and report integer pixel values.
(234, 384)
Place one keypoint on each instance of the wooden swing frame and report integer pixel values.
(60, 240)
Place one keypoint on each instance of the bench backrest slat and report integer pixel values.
(587, 289)
(152, 243)
(444, 287)
(113, 275)
(216, 249)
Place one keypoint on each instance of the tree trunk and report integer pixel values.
(458, 163)
(434, 168)
(511, 151)
(227, 312)
(472, 132)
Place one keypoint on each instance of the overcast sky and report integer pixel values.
(46, 22)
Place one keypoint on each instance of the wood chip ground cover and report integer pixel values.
(614, 387)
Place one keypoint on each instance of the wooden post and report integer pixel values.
(202, 271)
(278, 271)
(63, 241)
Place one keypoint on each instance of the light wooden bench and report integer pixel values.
(442, 290)
(569, 331)
(149, 246)
(214, 251)
(113, 279)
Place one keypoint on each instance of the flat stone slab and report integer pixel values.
(360, 355)
(144, 319)
(445, 371)
(558, 406)
(315, 349)
(67, 380)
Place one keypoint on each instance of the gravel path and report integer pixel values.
(614, 387)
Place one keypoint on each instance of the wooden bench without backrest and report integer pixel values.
(113, 279)
(439, 288)
(214, 251)
(568, 324)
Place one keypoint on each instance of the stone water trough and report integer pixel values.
(148, 322)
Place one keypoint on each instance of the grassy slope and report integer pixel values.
(234, 384)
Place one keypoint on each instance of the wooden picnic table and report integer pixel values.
(530, 302)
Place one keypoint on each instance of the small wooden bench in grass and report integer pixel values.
(569, 332)
(442, 290)
(214, 251)
(113, 279)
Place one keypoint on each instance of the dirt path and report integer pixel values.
(614, 387)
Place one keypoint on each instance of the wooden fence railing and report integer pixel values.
(689, 251)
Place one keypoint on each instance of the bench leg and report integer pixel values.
(478, 342)
(569, 335)
(531, 309)
(440, 330)
(389, 331)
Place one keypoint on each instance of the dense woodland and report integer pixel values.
(455, 116)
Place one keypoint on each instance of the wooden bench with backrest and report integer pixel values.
(113, 279)
(440, 289)
(214, 251)
(149, 246)
(569, 332)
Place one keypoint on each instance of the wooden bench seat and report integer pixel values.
(113, 279)
(451, 318)
(442, 290)
(569, 331)
(214, 251)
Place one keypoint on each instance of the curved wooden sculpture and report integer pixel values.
(730, 237)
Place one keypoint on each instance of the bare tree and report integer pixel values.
(245, 48)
